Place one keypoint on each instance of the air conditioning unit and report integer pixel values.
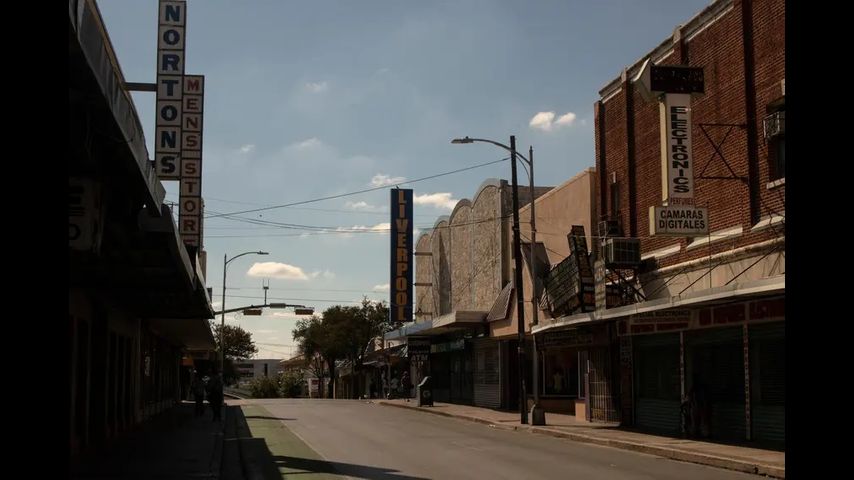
(774, 124)
(622, 252)
(609, 228)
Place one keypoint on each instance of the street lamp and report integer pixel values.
(225, 262)
(537, 413)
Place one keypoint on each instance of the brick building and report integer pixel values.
(702, 317)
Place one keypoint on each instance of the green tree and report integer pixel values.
(315, 345)
(343, 333)
(238, 345)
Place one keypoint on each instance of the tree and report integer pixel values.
(238, 345)
(342, 333)
(312, 342)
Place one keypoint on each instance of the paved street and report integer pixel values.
(358, 439)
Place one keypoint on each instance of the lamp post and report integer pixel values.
(225, 262)
(537, 414)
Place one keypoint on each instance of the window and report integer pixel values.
(615, 200)
(774, 129)
(560, 372)
(778, 158)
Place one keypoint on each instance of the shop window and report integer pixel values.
(560, 373)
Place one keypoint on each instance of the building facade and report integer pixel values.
(465, 300)
(701, 318)
(138, 306)
(253, 368)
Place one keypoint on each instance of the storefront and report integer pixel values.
(576, 372)
(712, 372)
(452, 371)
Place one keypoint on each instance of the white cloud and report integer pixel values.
(380, 227)
(317, 87)
(285, 315)
(381, 180)
(312, 142)
(438, 200)
(542, 121)
(248, 148)
(363, 206)
(325, 274)
(265, 331)
(565, 119)
(545, 121)
(277, 270)
(381, 288)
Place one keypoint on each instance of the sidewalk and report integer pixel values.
(173, 445)
(744, 459)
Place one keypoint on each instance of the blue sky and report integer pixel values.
(308, 99)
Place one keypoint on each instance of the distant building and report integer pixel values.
(257, 368)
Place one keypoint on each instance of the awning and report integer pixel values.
(458, 320)
(148, 271)
(380, 358)
(725, 294)
(193, 334)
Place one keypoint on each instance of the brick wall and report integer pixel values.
(627, 129)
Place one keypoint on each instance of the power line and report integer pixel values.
(357, 192)
(296, 299)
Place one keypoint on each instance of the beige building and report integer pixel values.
(464, 297)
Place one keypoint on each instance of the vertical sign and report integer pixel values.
(172, 20)
(678, 162)
(400, 289)
(677, 217)
(190, 199)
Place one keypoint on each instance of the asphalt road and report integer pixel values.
(359, 439)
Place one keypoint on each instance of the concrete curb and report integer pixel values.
(674, 454)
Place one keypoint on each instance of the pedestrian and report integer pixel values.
(394, 384)
(215, 395)
(405, 385)
(198, 390)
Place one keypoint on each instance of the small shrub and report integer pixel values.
(264, 387)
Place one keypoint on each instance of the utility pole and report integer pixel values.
(520, 298)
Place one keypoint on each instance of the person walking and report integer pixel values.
(405, 385)
(215, 395)
(197, 388)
